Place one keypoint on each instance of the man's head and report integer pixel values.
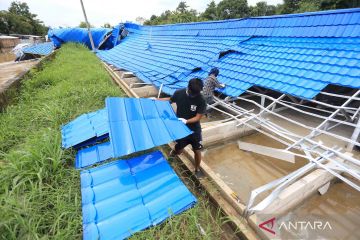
(195, 87)
(214, 71)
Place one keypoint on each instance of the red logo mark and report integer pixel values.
(266, 224)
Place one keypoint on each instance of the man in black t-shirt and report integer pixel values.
(191, 106)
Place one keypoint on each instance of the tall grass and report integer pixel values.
(39, 187)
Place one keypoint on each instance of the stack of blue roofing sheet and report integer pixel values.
(135, 124)
(85, 127)
(296, 54)
(40, 49)
(126, 196)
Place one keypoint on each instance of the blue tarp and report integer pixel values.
(40, 49)
(78, 35)
(296, 54)
(127, 196)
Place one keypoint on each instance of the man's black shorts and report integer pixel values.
(194, 139)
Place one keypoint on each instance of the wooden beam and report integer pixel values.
(120, 82)
(225, 131)
(280, 154)
(146, 91)
(299, 191)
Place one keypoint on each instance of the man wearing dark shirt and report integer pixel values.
(191, 106)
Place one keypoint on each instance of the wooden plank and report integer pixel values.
(299, 191)
(216, 134)
(267, 151)
(120, 82)
(146, 91)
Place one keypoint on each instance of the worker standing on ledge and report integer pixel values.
(211, 82)
(191, 106)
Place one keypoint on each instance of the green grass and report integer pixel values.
(39, 187)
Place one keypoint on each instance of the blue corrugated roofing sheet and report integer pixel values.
(40, 49)
(126, 196)
(85, 127)
(297, 54)
(94, 154)
(137, 124)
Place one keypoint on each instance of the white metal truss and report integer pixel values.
(319, 155)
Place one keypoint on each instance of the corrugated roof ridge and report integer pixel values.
(327, 12)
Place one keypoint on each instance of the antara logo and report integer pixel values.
(269, 223)
(305, 225)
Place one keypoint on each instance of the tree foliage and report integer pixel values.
(227, 9)
(19, 19)
(83, 24)
(211, 11)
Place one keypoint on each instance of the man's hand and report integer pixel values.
(184, 121)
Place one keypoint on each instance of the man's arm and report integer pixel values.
(163, 99)
(218, 84)
(195, 119)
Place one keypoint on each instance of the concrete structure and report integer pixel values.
(7, 43)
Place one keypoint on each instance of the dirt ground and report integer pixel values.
(11, 71)
(7, 57)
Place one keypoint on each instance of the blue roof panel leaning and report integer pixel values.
(144, 187)
(85, 127)
(94, 154)
(138, 124)
(40, 49)
(296, 54)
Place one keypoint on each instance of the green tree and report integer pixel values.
(106, 25)
(210, 12)
(182, 7)
(181, 15)
(82, 24)
(309, 6)
(290, 6)
(262, 9)
(338, 4)
(19, 19)
(233, 9)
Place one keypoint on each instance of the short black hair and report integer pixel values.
(195, 86)
(214, 71)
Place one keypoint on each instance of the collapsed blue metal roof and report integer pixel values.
(79, 35)
(40, 49)
(85, 127)
(126, 196)
(296, 54)
(138, 124)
